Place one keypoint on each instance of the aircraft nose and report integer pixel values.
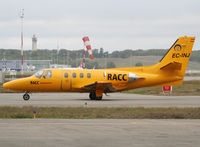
(17, 85)
(6, 85)
(11, 85)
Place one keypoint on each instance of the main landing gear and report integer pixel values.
(93, 96)
(26, 96)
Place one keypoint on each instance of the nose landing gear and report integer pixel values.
(26, 96)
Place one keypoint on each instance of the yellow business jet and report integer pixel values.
(169, 71)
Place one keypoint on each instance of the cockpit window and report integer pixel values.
(39, 74)
(48, 74)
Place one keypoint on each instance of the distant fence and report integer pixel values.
(5, 77)
(1, 77)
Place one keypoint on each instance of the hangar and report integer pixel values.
(28, 64)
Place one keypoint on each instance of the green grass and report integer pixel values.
(145, 60)
(18, 76)
(130, 62)
(188, 88)
(193, 74)
(101, 113)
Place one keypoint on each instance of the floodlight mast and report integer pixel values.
(22, 21)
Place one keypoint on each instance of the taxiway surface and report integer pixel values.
(99, 132)
(114, 100)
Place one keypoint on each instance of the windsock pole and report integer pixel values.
(83, 65)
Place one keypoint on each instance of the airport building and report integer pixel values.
(29, 65)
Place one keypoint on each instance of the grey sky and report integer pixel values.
(111, 24)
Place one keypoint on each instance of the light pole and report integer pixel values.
(22, 21)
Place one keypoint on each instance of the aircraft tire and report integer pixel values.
(92, 95)
(99, 98)
(26, 96)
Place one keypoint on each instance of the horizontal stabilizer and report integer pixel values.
(172, 66)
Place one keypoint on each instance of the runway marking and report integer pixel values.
(106, 123)
(165, 123)
(140, 123)
(186, 123)
(73, 123)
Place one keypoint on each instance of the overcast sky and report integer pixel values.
(111, 24)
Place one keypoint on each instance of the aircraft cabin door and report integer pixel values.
(66, 81)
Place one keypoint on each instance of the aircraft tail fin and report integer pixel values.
(178, 55)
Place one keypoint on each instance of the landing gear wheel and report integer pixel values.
(26, 96)
(94, 97)
(99, 98)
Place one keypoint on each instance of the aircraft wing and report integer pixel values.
(104, 86)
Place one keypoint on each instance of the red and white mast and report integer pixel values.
(88, 46)
(22, 21)
(86, 42)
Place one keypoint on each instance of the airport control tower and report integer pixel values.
(34, 43)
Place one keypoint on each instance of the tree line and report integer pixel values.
(74, 57)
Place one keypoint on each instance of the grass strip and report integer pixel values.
(100, 113)
(189, 88)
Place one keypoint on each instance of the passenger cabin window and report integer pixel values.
(48, 74)
(81, 75)
(39, 74)
(89, 75)
(66, 75)
(74, 75)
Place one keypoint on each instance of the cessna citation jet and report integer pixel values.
(169, 71)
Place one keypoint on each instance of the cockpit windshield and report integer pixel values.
(39, 74)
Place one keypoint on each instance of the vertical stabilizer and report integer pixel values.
(178, 55)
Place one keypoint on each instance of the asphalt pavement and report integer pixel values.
(99, 132)
(113, 100)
